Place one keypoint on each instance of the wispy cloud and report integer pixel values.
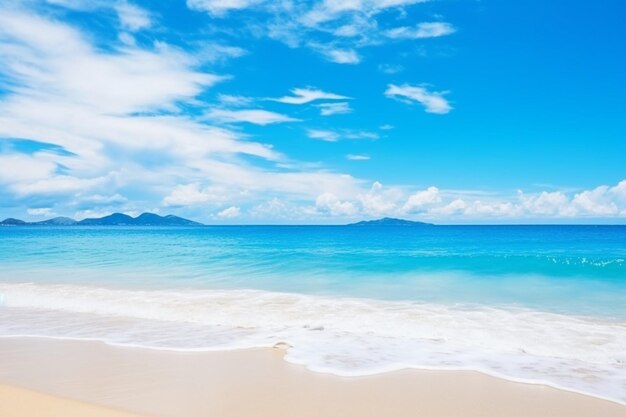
(339, 56)
(335, 135)
(41, 212)
(234, 101)
(307, 95)
(221, 7)
(217, 52)
(329, 109)
(132, 17)
(433, 101)
(337, 30)
(421, 31)
(325, 135)
(390, 69)
(355, 157)
(117, 117)
(254, 116)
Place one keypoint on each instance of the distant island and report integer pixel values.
(388, 221)
(115, 219)
(151, 219)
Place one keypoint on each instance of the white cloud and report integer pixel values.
(132, 17)
(340, 56)
(221, 7)
(601, 201)
(234, 101)
(131, 80)
(328, 10)
(328, 109)
(390, 69)
(307, 95)
(355, 157)
(325, 135)
(422, 200)
(335, 29)
(379, 200)
(329, 203)
(421, 31)
(545, 204)
(193, 194)
(100, 200)
(433, 102)
(230, 212)
(215, 52)
(455, 207)
(333, 136)
(254, 116)
(43, 212)
(360, 135)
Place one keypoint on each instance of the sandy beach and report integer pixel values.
(21, 402)
(47, 377)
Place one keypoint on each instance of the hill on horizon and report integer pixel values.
(389, 221)
(115, 219)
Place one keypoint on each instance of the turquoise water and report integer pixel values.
(573, 269)
(534, 303)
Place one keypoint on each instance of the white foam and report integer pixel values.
(338, 335)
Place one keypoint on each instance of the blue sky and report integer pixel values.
(324, 111)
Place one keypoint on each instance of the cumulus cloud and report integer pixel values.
(421, 31)
(307, 95)
(254, 116)
(422, 200)
(436, 204)
(600, 202)
(433, 102)
(356, 157)
(330, 203)
(379, 200)
(230, 212)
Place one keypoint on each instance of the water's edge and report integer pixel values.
(341, 336)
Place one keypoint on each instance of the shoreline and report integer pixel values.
(157, 383)
(281, 346)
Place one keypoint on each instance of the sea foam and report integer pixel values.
(343, 336)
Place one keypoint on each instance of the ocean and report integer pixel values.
(538, 304)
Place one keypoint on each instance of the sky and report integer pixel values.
(314, 111)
